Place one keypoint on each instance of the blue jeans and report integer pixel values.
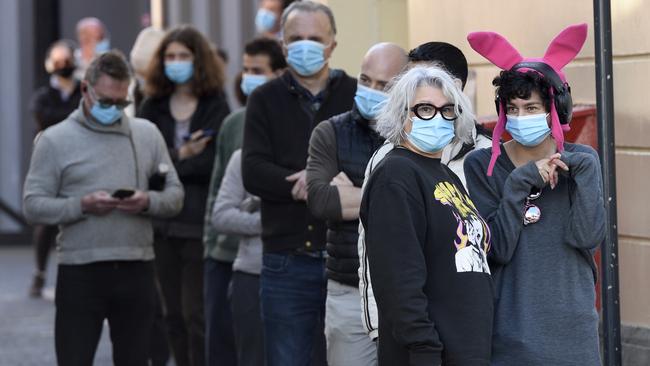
(293, 289)
(219, 338)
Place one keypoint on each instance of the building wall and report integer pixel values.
(530, 26)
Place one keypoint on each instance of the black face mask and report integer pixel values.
(64, 72)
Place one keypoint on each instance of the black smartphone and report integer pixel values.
(123, 193)
(208, 132)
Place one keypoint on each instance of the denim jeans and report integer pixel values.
(219, 338)
(293, 289)
(121, 292)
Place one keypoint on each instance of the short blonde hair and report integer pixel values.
(401, 93)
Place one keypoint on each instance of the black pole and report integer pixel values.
(607, 150)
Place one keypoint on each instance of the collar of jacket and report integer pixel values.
(122, 127)
(333, 80)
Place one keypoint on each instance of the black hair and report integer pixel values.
(515, 84)
(269, 47)
(448, 55)
(286, 3)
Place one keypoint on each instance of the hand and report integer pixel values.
(98, 203)
(341, 179)
(548, 169)
(194, 146)
(135, 204)
(299, 190)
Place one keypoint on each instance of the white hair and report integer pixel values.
(401, 93)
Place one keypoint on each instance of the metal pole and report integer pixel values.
(607, 151)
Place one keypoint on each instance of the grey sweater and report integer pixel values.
(77, 157)
(231, 218)
(544, 273)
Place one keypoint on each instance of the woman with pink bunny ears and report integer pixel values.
(542, 199)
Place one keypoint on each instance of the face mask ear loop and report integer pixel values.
(496, 139)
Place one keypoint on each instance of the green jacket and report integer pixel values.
(218, 246)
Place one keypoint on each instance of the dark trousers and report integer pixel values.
(220, 341)
(179, 267)
(44, 240)
(121, 292)
(293, 293)
(247, 320)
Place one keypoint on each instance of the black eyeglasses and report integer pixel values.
(427, 111)
(107, 103)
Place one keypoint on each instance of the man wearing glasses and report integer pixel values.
(90, 175)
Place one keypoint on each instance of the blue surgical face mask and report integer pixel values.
(105, 116)
(265, 20)
(431, 135)
(249, 82)
(103, 46)
(528, 130)
(306, 57)
(179, 72)
(369, 101)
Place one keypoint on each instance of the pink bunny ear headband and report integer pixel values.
(564, 48)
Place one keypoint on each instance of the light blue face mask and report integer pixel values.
(179, 72)
(431, 135)
(265, 20)
(306, 57)
(249, 82)
(528, 130)
(105, 115)
(369, 101)
(103, 46)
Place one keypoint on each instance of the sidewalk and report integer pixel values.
(26, 324)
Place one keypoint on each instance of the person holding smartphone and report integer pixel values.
(105, 250)
(185, 100)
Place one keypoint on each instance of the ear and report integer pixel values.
(495, 48)
(566, 46)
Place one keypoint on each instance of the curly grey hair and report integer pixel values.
(401, 93)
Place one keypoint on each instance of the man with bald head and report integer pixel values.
(93, 40)
(280, 117)
(339, 150)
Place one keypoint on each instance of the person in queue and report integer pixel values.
(453, 61)
(280, 116)
(339, 150)
(50, 105)
(262, 61)
(543, 201)
(96, 190)
(426, 242)
(185, 99)
(268, 18)
(93, 39)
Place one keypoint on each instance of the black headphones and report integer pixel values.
(561, 90)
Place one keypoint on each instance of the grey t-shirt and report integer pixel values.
(544, 273)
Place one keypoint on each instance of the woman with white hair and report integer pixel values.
(426, 241)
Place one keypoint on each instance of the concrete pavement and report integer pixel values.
(26, 324)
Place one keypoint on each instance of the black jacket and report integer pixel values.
(279, 122)
(193, 172)
(344, 143)
(49, 108)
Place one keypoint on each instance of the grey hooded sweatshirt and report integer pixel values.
(79, 156)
